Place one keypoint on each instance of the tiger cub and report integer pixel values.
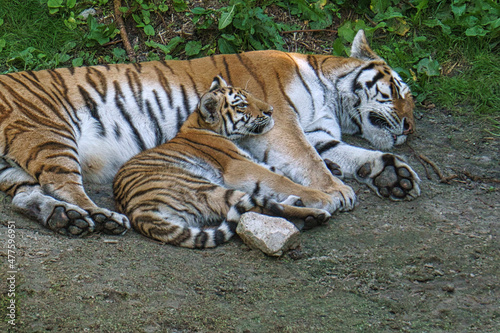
(192, 190)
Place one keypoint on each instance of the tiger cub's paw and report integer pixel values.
(109, 222)
(70, 221)
(390, 177)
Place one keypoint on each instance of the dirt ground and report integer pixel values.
(430, 265)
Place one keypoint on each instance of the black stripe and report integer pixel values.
(228, 73)
(250, 69)
(180, 118)
(185, 100)
(12, 189)
(201, 239)
(97, 81)
(321, 147)
(219, 237)
(156, 124)
(135, 86)
(92, 107)
(137, 137)
(287, 98)
(227, 196)
(377, 77)
(165, 85)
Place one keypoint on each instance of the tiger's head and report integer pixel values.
(382, 104)
(234, 112)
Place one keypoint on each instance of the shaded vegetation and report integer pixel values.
(446, 50)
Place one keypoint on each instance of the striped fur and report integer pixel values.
(60, 127)
(192, 190)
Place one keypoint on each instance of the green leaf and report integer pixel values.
(226, 47)
(71, 3)
(166, 48)
(429, 67)
(476, 31)
(1, 21)
(199, 11)
(226, 17)
(179, 5)
(346, 31)
(458, 10)
(54, 3)
(2, 44)
(119, 53)
(193, 48)
(149, 30)
(77, 62)
(163, 8)
(435, 23)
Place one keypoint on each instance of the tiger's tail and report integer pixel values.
(163, 229)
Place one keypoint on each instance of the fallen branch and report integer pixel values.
(433, 165)
(446, 179)
(123, 32)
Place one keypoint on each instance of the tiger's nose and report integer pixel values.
(269, 112)
(407, 127)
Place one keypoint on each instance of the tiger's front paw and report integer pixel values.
(390, 177)
(110, 222)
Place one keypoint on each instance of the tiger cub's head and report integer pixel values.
(383, 104)
(234, 112)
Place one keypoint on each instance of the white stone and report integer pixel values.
(87, 12)
(272, 235)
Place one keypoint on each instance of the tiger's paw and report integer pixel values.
(70, 221)
(305, 217)
(109, 222)
(316, 218)
(390, 177)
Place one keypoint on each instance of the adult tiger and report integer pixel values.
(56, 125)
(192, 190)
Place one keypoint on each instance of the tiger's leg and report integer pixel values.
(55, 164)
(68, 187)
(388, 175)
(302, 217)
(285, 148)
(27, 197)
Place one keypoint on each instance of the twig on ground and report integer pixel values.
(123, 32)
(442, 179)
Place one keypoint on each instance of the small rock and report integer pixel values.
(88, 12)
(448, 288)
(272, 235)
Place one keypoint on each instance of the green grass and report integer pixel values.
(449, 68)
(33, 38)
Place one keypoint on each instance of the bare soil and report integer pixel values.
(429, 265)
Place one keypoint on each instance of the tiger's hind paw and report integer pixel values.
(390, 178)
(110, 222)
(70, 221)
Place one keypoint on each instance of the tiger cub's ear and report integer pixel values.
(217, 83)
(360, 48)
(209, 107)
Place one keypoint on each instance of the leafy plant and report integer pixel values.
(242, 26)
(141, 11)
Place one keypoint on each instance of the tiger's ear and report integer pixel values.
(217, 83)
(209, 108)
(360, 48)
